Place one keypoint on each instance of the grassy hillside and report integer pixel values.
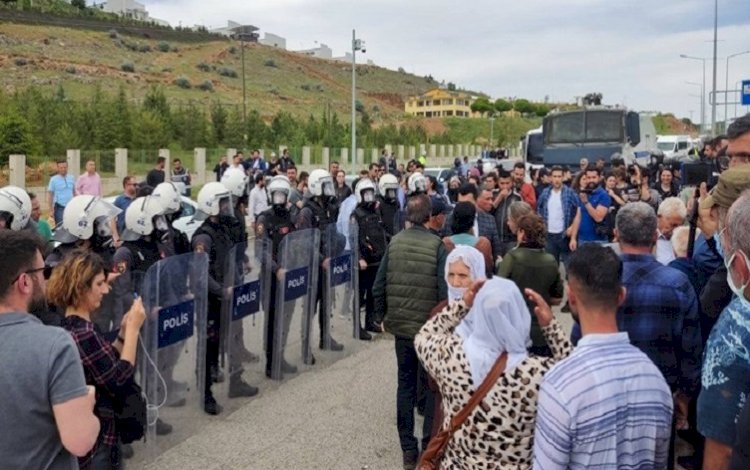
(276, 79)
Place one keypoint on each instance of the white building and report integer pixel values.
(321, 52)
(233, 28)
(130, 9)
(270, 39)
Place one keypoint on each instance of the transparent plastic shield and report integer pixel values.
(340, 274)
(296, 281)
(244, 308)
(351, 297)
(172, 361)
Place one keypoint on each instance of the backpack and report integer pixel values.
(130, 412)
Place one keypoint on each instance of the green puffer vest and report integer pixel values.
(411, 281)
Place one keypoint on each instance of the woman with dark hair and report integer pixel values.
(453, 185)
(531, 267)
(77, 286)
(462, 228)
(342, 190)
(665, 185)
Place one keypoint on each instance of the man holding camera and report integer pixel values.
(594, 206)
(639, 188)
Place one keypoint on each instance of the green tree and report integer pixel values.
(151, 131)
(16, 137)
(503, 105)
(257, 130)
(451, 86)
(482, 105)
(541, 109)
(80, 4)
(219, 118)
(124, 119)
(524, 106)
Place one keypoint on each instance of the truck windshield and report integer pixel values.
(586, 126)
(665, 146)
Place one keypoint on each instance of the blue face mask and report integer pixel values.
(717, 242)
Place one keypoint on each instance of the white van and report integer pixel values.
(674, 146)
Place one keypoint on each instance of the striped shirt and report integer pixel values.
(605, 406)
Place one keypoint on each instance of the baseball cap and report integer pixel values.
(438, 206)
(731, 184)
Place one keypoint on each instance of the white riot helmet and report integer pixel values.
(15, 207)
(142, 216)
(417, 184)
(82, 216)
(388, 186)
(365, 191)
(321, 183)
(168, 196)
(235, 180)
(278, 190)
(214, 199)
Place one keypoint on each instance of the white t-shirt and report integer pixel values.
(555, 217)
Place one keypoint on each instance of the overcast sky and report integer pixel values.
(628, 50)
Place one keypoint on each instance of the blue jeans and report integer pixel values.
(409, 372)
(558, 246)
(58, 213)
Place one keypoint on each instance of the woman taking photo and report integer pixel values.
(665, 184)
(499, 433)
(77, 286)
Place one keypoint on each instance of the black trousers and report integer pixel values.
(409, 372)
(366, 281)
(212, 339)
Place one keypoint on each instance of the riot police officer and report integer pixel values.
(417, 184)
(215, 237)
(167, 196)
(372, 245)
(272, 226)
(15, 208)
(320, 211)
(388, 204)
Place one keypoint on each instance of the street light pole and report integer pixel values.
(492, 130)
(713, 104)
(726, 89)
(357, 45)
(703, 89)
(244, 93)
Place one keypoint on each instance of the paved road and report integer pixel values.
(339, 415)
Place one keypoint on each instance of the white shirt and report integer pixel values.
(664, 252)
(258, 201)
(555, 216)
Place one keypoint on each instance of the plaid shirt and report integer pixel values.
(660, 314)
(103, 369)
(568, 199)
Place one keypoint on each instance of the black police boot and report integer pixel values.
(210, 406)
(364, 335)
(162, 428)
(126, 450)
(248, 357)
(217, 376)
(287, 368)
(240, 388)
(335, 345)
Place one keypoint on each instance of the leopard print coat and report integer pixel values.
(499, 434)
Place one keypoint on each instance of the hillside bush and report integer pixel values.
(183, 82)
(127, 67)
(270, 63)
(206, 86)
(203, 67)
(71, 70)
(113, 33)
(144, 48)
(164, 46)
(227, 72)
(21, 62)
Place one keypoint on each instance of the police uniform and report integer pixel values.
(372, 245)
(323, 217)
(273, 225)
(215, 239)
(390, 211)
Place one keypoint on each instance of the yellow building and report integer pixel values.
(440, 103)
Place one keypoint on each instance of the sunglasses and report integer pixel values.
(32, 271)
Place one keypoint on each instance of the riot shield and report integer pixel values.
(339, 273)
(293, 285)
(352, 297)
(245, 304)
(172, 366)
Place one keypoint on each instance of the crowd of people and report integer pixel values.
(654, 268)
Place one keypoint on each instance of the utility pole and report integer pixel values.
(357, 45)
(713, 104)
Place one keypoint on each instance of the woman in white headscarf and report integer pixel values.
(463, 267)
(499, 433)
